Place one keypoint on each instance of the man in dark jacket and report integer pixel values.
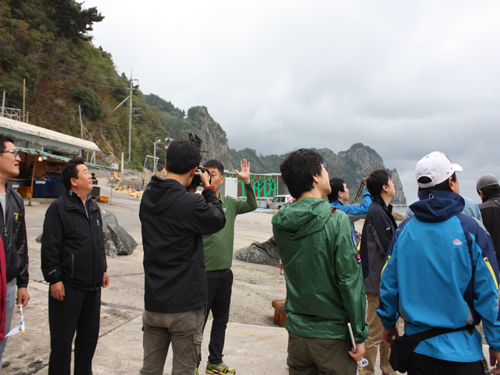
(74, 263)
(13, 232)
(176, 295)
(377, 234)
(489, 190)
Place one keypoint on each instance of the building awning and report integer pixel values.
(48, 155)
(49, 139)
(59, 158)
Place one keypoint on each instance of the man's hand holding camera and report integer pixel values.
(204, 177)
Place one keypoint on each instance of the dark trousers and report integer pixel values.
(423, 365)
(219, 299)
(80, 312)
(310, 356)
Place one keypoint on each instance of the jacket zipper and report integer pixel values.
(72, 264)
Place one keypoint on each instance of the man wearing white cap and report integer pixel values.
(488, 189)
(441, 272)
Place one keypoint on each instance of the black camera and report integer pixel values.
(196, 182)
(196, 179)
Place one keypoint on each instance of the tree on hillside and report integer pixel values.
(72, 21)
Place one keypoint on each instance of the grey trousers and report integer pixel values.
(184, 330)
(10, 304)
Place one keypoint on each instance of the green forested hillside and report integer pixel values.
(46, 42)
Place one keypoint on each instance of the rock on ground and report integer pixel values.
(116, 239)
(260, 253)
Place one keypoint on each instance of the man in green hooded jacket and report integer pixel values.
(324, 280)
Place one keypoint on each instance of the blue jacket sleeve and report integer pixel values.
(472, 209)
(355, 209)
(486, 287)
(388, 308)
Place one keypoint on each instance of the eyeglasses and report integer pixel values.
(13, 151)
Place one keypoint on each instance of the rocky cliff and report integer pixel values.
(357, 163)
(213, 136)
(352, 165)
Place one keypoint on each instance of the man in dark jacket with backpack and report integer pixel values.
(74, 263)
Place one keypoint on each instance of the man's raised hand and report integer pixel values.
(244, 173)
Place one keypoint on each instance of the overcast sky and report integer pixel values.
(403, 77)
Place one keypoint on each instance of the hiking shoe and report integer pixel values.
(219, 368)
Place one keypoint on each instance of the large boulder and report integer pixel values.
(116, 239)
(260, 253)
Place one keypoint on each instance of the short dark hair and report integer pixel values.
(492, 189)
(182, 156)
(376, 181)
(69, 171)
(337, 185)
(5, 138)
(443, 186)
(298, 169)
(489, 192)
(215, 164)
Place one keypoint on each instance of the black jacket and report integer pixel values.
(173, 222)
(72, 243)
(14, 237)
(490, 211)
(378, 230)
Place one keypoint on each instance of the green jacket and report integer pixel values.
(218, 247)
(324, 281)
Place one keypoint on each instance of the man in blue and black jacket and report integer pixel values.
(340, 196)
(441, 271)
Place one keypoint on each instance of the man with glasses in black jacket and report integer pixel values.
(13, 232)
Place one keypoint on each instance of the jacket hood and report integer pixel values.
(302, 218)
(160, 194)
(435, 205)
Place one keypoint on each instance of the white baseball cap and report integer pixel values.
(437, 166)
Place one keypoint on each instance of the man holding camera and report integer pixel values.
(219, 259)
(173, 222)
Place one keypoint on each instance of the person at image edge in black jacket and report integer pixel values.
(13, 233)
(74, 263)
(175, 296)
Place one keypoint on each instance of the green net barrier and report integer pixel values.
(263, 185)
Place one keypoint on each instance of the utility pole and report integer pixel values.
(81, 122)
(24, 98)
(3, 103)
(155, 159)
(130, 122)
